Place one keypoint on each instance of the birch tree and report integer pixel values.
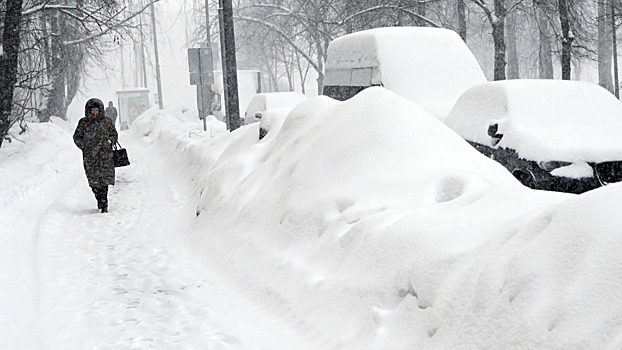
(545, 34)
(605, 49)
(567, 37)
(513, 70)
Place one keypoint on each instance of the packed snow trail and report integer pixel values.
(125, 280)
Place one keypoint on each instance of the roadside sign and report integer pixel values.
(200, 66)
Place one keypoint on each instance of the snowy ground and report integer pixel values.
(365, 224)
(73, 278)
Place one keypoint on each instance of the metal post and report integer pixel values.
(207, 27)
(157, 58)
(615, 52)
(205, 89)
(123, 84)
(229, 65)
(223, 61)
(142, 50)
(201, 105)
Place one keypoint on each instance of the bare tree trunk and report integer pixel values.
(320, 63)
(46, 43)
(462, 25)
(513, 71)
(616, 77)
(498, 34)
(545, 56)
(8, 63)
(56, 96)
(289, 69)
(421, 9)
(274, 74)
(402, 17)
(73, 79)
(302, 72)
(271, 74)
(567, 39)
(604, 45)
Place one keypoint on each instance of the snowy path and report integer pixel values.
(125, 280)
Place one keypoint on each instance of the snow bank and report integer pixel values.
(549, 285)
(367, 224)
(543, 119)
(431, 66)
(44, 148)
(35, 169)
(364, 224)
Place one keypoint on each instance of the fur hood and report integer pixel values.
(94, 102)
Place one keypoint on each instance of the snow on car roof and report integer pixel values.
(283, 98)
(431, 66)
(543, 119)
(414, 147)
(269, 100)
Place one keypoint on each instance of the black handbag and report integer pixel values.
(119, 155)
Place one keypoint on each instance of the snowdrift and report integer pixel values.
(368, 224)
(47, 156)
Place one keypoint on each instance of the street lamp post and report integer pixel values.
(205, 90)
(229, 65)
(157, 58)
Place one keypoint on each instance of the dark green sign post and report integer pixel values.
(200, 66)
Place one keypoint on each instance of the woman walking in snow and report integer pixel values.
(95, 136)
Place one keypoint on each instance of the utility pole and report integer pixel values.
(157, 58)
(206, 95)
(229, 65)
(616, 82)
(142, 49)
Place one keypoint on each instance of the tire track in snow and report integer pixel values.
(22, 208)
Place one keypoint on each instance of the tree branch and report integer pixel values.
(283, 35)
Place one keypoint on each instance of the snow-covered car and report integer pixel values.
(550, 134)
(248, 86)
(429, 66)
(269, 100)
(272, 119)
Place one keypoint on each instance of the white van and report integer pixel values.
(261, 102)
(249, 83)
(430, 66)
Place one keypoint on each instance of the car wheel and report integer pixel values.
(525, 178)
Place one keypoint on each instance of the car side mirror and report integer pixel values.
(493, 132)
(492, 129)
(258, 115)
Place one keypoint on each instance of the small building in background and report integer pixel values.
(132, 103)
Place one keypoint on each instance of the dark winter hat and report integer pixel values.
(92, 103)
